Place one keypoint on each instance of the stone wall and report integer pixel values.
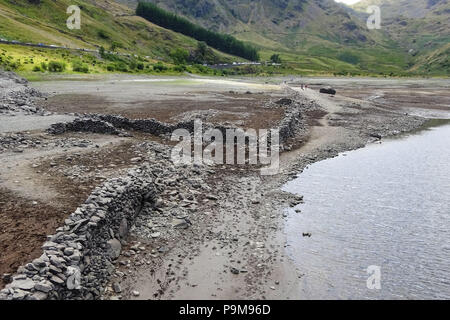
(78, 260)
(84, 125)
(114, 124)
(17, 96)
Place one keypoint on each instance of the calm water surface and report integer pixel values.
(386, 205)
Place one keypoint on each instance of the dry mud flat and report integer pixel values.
(212, 232)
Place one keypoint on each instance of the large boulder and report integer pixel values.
(328, 90)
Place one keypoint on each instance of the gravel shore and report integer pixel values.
(213, 232)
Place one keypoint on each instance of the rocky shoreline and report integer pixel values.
(77, 260)
(157, 212)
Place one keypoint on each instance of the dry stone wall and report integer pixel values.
(290, 124)
(78, 259)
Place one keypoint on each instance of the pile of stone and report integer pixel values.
(17, 142)
(84, 125)
(17, 96)
(115, 124)
(151, 126)
(294, 121)
(291, 123)
(78, 260)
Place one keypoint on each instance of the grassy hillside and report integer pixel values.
(316, 36)
(321, 36)
(421, 28)
(220, 41)
(103, 24)
(416, 9)
(311, 36)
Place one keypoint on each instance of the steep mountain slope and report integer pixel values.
(312, 35)
(103, 23)
(416, 9)
(420, 27)
(276, 20)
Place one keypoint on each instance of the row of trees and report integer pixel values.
(222, 42)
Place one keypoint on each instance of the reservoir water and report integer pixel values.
(387, 206)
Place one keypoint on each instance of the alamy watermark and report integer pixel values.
(374, 20)
(74, 21)
(374, 280)
(230, 146)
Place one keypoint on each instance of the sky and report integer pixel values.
(348, 1)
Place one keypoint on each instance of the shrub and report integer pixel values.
(180, 68)
(13, 66)
(115, 45)
(159, 67)
(9, 65)
(37, 69)
(133, 65)
(121, 66)
(78, 66)
(56, 66)
(44, 66)
(275, 58)
(179, 56)
(201, 69)
(103, 34)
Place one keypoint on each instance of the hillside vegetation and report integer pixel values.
(143, 46)
(306, 36)
(315, 36)
(421, 28)
(310, 36)
(223, 42)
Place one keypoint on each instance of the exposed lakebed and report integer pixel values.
(386, 205)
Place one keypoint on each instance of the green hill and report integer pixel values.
(103, 24)
(421, 28)
(318, 36)
(312, 36)
(221, 41)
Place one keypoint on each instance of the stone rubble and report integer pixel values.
(155, 200)
(293, 122)
(78, 260)
(16, 96)
(18, 142)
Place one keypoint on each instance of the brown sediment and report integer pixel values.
(26, 221)
(422, 97)
(24, 226)
(248, 207)
(246, 110)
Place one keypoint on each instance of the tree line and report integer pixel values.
(222, 42)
